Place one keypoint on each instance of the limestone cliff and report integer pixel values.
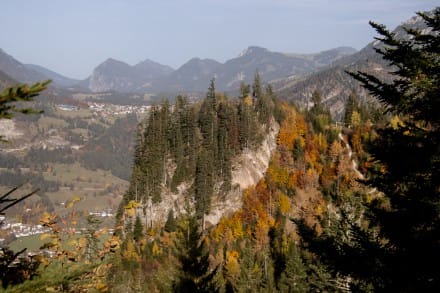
(247, 170)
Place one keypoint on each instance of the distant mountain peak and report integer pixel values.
(115, 75)
(194, 60)
(148, 62)
(252, 50)
(342, 49)
(200, 60)
(111, 61)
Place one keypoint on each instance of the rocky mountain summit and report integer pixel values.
(114, 75)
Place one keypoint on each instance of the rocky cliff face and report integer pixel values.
(247, 170)
(112, 75)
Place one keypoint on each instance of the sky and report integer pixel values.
(73, 37)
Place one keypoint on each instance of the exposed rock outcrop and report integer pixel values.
(247, 170)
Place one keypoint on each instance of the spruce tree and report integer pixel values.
(21, 93)
(138, 229)
(409, 160)
(294, 276)
(203, 183)
(170, 224)
(277, 234)
(195, 274)
(318, 107)
(251, 272)
(208, 118)
(245, 90)
(224, 153)
(351, 106)
(257, 89)
(177, 145)
(263, 102)
(400, 250)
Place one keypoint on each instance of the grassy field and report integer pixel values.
(82, 113)
(47, 123)
(31, 243)
(34, 242)
(97, 189)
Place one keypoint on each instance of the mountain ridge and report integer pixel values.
(151, 77)
(17, 70)
(57, 79)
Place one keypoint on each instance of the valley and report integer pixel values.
(55, 152)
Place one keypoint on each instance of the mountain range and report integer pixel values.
(196, 73)
(193, 76)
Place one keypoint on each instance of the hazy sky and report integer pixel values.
(73, 37)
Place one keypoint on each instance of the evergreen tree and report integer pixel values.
(266, 106)
(22, 93)
(190, 139)
(399, 251)
(194, 273)
(224, 153)
(319, 115)
(233, 127)
(251, 273)
(245, 90)
(276, 235)
(208, 119)
(138, 229)
(352, 105)
(152, 166)
(208, 155)
(263, 102)
(170, 224)
(203, 183)
(165, 130)
(184, 141)
(318, 107)
(92, 244)
(257, 89)
(248, 123)
(177, 145)
(294, 276)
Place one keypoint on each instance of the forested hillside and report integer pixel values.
(187, 151)
(341, 207)
(310, 176)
